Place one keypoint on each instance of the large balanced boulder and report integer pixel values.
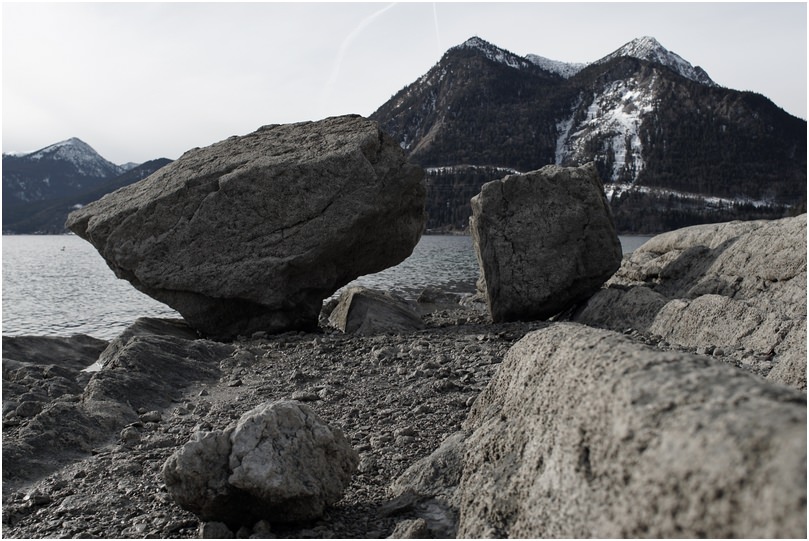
(544, 240)
(280, 462)
(738, 287)
(252, 233)
(584, 433)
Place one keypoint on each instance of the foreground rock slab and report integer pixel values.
(79, 413)
(252, 233)
(544, 241)
(738, 287)
(280, 462)
(584, 434)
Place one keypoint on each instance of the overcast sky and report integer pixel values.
(139, 81)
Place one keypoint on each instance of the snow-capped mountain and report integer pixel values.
(644, 48)
(649, 49)
(85, 160)
(644, 115)
(62, 169)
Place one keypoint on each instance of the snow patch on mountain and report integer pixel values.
(565, 69)
(468, 167)
(613, 117)
(612, 190)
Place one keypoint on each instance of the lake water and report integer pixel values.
(60, 285)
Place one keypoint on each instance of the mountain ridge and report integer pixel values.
(644, 115)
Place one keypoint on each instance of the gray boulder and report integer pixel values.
(279, 462)
(583, 433)
(544, 240)
(364, 311)
(734, 286)
(252, 233)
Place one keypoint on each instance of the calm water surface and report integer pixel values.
(60, 285)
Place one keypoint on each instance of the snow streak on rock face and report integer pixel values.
(612, 121)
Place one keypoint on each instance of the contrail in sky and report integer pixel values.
(335, 72)
(437, 35)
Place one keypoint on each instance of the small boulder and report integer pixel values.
(544, 240)
(364, 311)
(252, 233)
(280, 462)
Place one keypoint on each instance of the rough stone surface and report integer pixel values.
(151, 362)
(738, 286)
(584, 434)
(280, 463)
(437, 475)
(432, 485)
(77, 412)
(365, 311)
(544, 240)
(252, 233)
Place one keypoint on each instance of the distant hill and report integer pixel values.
(41, 188)
(672, 147)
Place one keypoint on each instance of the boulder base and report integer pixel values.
(252, 233)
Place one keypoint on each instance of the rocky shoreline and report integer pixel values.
(565, 399)
(396, 397)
